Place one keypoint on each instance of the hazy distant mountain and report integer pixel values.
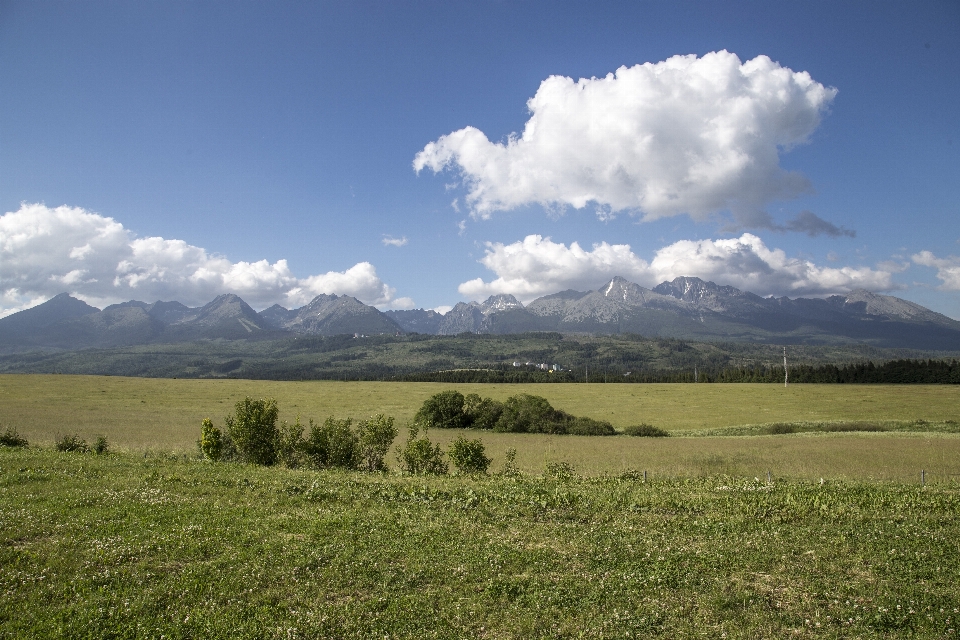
(331, 315)
(21, 325)
(686, 308)
(416, 320)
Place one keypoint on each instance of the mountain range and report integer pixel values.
(687, 308)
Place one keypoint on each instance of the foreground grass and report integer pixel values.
(126, 546)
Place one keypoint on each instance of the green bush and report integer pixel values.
(469, 456)
(333, 444)
(374, 439)
(781, 429)
(481, 413)
(559, 470)
(420, 456)
(211, 440)
(590, 427)
(646, 431)
(100, 445)
(72, 442)
(10, 438)
(253, 429)
(526, 413)
(443, 410)
(290, 444)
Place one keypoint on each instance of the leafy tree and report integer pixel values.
(420, 456)
(375, 437)
(469, 456)
(253, 428)
(443, 410)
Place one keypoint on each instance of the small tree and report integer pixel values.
(211, 440)
(420, 456)
(443, 410)
(375, 437)
(253, 429)
(469, 456)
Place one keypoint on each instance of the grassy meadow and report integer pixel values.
(151, 541)
(139, 414)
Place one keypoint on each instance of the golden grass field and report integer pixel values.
(165, 414)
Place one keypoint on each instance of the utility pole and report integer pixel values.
(785, 374)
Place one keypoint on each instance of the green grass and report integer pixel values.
(137, 414)
(120, 545)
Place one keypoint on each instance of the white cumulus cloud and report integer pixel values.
(684, 136)
(948, 269)
(537, 266)
(45, 251)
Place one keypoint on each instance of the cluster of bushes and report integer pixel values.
(522, 413)
(74, 443)
(252, 435)
(10, 438)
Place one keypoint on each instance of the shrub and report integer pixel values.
(481, 413)
(528, 413)
(469, 456)
(290, 444)
(443, 410)
(211, 440)
(420, 456)
(644, 430)
(72, 443)
(333, 444)
(10, 438)
(590, 427)
(559, 470)
(375, 437)
(781, 428)
(253, 429)
(100, 445)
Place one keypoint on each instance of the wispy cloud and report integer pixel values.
(390, 241)
(537, 266)
(45, 251)
(687, 135)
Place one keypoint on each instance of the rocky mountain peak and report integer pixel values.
(499, 302)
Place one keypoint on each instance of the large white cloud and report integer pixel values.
(686, 135)
(537, 266)
(45, 251)
(948, 269)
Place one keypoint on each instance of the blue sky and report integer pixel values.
(271, 147)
